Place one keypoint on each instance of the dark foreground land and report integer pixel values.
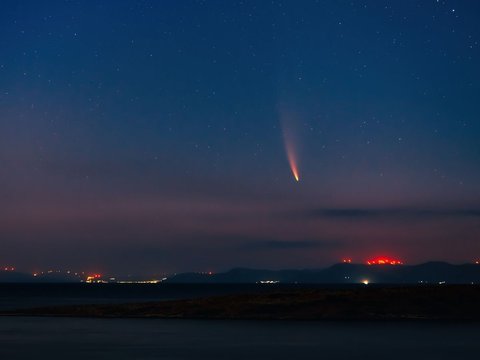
(442, 302)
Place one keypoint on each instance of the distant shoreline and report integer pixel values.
(426, 303)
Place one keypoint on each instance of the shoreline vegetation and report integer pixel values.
(438, 302)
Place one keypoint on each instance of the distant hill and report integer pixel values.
(55, 277)
(15, 277)
(19, 277)
(428, 273)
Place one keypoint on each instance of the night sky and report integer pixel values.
(150, 136)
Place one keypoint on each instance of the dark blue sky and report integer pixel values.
(148, 136)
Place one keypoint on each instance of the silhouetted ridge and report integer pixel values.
(428, 273)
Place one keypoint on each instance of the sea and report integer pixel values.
(29, 295)
(90, 338)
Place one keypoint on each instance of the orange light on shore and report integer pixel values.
(347, 261)
(93, 277)
(384, 261)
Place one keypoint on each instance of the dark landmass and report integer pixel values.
(53, 277)
(15, 277)
(344, 273)
(441, 302)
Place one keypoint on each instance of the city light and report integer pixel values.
(94, 278)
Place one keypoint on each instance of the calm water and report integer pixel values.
(65, 338)
(15, 296)
(70, 338)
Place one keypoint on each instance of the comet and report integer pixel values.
(295, 174)
(290, 145)
(292, 160)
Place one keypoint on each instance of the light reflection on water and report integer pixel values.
(70, 338)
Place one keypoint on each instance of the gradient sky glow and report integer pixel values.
(147, 136)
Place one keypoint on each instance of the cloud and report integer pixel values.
(273, 244)
(387, 213)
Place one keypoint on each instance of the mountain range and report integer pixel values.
(343, 273)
